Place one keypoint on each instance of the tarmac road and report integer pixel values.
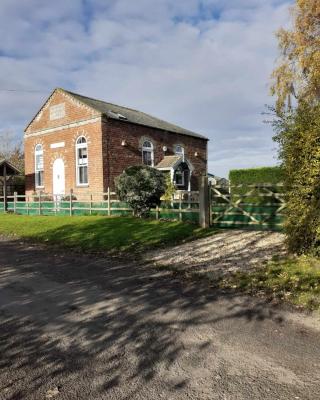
(78, 327)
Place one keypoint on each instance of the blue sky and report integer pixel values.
(202, 64)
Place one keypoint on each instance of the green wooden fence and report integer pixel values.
(183, 207)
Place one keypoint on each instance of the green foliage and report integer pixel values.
(141, 187)
(91, 233)
(295, 280)
(298, 134)
(170, 189)
(256, 175)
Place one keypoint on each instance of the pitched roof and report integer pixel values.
(169, 161)
(114, 111)
(10, 168)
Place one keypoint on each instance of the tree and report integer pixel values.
(141, 187)
(297, 125)
(11, 150)
(298, 134)
(298, 73)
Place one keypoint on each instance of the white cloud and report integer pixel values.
(172, 59)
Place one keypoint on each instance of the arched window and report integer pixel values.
(38, 165)
(179, 150)
(147, 153)
(82, 161)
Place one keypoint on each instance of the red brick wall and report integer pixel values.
(118, 157)
(74, 111)
(36, 134)
(103, 138)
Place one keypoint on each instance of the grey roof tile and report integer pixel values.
(114, 111)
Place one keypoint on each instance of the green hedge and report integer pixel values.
(252, 176)
(255, 176)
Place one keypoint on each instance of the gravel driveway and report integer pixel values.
(78, 327)
(225, 252)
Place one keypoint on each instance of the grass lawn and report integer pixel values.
(113, 234)
(296, 280)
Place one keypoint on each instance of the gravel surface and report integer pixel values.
(75, 327)
(225, 252)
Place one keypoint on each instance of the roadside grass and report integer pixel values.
(295, 280)
(98, 234)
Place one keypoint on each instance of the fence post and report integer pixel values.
(210, 203)
(90, 204)
(70, 202)
(157, 212)
(109, 202)
(39, 204)
(15, 202)
(180, 206)
(5, 193)
(204, 203)
(27, 200)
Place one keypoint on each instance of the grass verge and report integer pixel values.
(295, 280)
(112, 234)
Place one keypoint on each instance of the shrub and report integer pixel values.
(298, 134)
(170, 189)
(141, 187)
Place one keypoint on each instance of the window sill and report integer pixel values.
(39, 187)
(82, 185)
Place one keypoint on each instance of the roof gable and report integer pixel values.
(65, 97)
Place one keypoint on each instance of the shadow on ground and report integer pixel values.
(94, 327)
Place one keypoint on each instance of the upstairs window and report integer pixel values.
(82, 161)
(147, 153)
(179, 150)
(38, 160)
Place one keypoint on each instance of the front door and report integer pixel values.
(58, 178)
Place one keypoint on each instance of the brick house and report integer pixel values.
(79, 143)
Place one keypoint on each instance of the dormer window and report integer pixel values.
(147, 153)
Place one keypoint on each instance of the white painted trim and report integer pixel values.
(36, 170)
(77, 147)
(57, 145)
(62, 127)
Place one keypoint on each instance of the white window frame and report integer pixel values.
(175, 178)
(38, 151)
(83, 145)
(148, 149)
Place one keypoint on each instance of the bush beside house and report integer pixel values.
(141, 187)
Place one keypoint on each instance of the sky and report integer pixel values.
(202, 64)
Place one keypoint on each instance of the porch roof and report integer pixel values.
(169, 162)
(10, 169)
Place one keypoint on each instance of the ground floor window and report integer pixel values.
(39, 166)
(179, 177)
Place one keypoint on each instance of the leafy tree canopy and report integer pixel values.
(298, 72)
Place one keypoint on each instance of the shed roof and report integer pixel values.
(121, 113)
(10, 168)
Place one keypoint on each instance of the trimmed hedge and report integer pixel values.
(252, 176)
(255, 176)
